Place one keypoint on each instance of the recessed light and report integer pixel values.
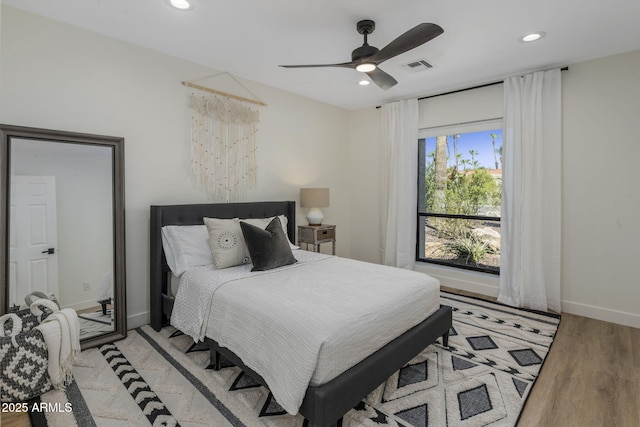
(181, 4)
(531, 37)
(364, 82)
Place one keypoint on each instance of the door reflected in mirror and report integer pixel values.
(63, 194)
(61, 232)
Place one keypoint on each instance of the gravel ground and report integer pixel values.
(435, 248)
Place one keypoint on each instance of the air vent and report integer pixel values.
(416, 66)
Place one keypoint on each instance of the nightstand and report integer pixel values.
(317, 235)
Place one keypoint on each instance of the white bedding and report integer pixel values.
(194, 290)
(306, 323)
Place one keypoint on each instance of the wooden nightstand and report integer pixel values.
(316, 235)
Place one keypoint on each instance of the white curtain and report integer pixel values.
(399, 185)
(530, 246)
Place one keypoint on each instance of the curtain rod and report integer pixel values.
(468, 88)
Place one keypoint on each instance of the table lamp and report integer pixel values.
(314, 198)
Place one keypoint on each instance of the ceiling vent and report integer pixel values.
(417, 66)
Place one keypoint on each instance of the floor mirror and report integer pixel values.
(62, 234)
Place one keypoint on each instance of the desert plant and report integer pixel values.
(468, 247)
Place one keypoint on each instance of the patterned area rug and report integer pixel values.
(95, 323)
(483, 378)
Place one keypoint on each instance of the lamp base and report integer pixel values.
(315, 216)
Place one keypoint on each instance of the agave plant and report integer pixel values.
(469, 247)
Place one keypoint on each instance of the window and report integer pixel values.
(459, 195)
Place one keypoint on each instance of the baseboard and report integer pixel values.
(599, 313)
(83, 305)
(137, 320)
(590, 311)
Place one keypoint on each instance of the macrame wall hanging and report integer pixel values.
(224, 130)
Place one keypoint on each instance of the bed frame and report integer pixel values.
(323, 404)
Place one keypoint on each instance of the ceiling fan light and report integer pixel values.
(365, 67)
(181, 4)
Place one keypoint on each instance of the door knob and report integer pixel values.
(49, 251)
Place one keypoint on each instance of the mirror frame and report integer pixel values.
(7, 132)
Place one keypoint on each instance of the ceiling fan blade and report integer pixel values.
(382, 79)
(413, 38)
(344, 65)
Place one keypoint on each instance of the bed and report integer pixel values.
(324, 403)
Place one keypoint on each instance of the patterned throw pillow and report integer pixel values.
(227, 243)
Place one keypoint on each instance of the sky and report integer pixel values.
(479, 141)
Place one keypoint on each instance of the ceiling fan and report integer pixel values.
(367, 58)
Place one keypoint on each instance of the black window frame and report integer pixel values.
(420, 235)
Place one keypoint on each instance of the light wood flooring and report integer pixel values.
(591, 377)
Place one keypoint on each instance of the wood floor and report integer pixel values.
(591, 377)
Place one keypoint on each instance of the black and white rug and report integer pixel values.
(482, 378)
(95, 323)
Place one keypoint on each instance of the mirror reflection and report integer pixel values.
(61, 238)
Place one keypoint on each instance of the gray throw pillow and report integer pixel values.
(269, 248)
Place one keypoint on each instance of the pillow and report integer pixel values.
(186, 246)
(227, 245)
(226, 242)
(269, 248)
(263, 222)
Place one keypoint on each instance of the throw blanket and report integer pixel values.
(61, 332)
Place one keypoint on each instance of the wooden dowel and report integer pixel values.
(228, 95)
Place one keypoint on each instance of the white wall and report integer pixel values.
(601, 196)
(60, 77)
(364, 181)
(601, 200)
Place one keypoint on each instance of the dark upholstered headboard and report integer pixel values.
(160, 299)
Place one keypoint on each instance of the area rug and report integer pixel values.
(481, 379)
(95, 323)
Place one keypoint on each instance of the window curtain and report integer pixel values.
(399, 185)
(531, 197)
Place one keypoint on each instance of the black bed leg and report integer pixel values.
(216, 364)
(445, 339)
(214, 360)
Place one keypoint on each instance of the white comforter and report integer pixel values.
(198, 284)
(305, 324)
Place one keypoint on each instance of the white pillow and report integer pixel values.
(228, 248)
(186, 246)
